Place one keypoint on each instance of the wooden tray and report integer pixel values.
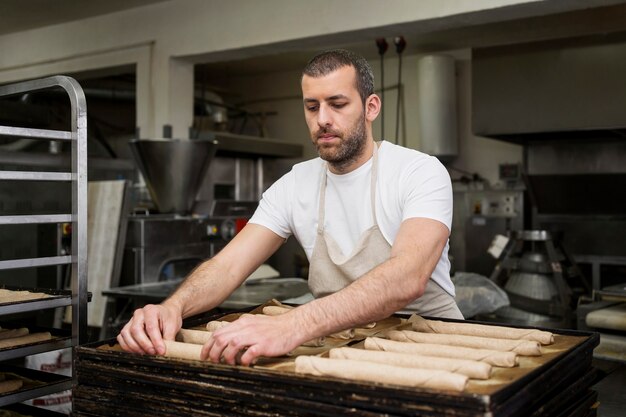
(119, 383)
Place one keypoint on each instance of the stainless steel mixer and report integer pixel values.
(541, 280)
(168, 244)
(173, 170)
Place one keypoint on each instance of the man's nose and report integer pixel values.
(324, 117)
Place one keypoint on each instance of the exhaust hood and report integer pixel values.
(570, 89)
(252, 146)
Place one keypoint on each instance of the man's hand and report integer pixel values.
(252, 336)
(144, 333)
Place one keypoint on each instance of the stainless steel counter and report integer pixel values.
(248, 295)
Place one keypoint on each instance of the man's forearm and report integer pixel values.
(384, 290)
(376, 295)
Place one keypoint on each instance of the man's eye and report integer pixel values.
(338, 105)
(311, 108)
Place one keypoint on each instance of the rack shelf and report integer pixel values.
(60, 339)
(48, 383)
(39, 383)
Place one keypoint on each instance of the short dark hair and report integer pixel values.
(329, 61)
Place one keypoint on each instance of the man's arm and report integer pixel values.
(205, 288)
(379, 293)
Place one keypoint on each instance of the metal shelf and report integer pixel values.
(45, 383)
(29, 133)
(77, 298)
(19, 396)
(29, 410)
(35, 176)
(240, 145)
(36, 219)
(36, 305)
(33, 262)
(23, 395)
(56, 343)
(58, 298)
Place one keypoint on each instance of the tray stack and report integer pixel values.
(33, 384)
(112, 382)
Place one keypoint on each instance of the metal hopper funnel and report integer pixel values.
(173, 170)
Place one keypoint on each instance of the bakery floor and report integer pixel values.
(611, 388)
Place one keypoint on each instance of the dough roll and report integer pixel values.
(214, 325)
(473, 369)
(275, 310)
(492, 357)
(182, 350)
(374, 372)
(499, 332)
(521, 347)
(317, 342)
(10, 296)
(25, 340)
(196, 337)
(345, 334)
(10, 385)
(9, 334)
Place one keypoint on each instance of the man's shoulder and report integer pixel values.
(406, 158)
(308, 167)
(301, 175)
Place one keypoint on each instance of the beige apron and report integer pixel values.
(330, 270)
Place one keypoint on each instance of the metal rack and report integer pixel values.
(77, 297)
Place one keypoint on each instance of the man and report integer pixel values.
(373, 218)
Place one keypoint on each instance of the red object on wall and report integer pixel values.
(239, 224)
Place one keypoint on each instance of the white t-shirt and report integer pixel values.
(409, 184)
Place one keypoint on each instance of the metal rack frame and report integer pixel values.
(78, 297)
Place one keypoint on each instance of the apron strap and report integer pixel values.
(374, 177)
(322, 203)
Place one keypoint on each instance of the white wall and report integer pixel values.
(170, 36)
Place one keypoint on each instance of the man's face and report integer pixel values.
(335, 115)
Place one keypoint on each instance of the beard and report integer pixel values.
(350, 148)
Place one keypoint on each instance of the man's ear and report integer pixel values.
(372, 107)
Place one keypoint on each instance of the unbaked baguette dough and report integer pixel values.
(420, 324)
(521, 347)
(197, 337)
(10, 385)
(317, 342)
(375, 372)
(344, 334)
(492, 357)
(25, 340)
(275, 310)
(10, 296)
(214, 325)
(9, 334)
(182, 350)
(473, 369)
